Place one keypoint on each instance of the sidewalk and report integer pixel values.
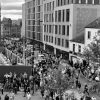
(19, 96)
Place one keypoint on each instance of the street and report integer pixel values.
(19, 96)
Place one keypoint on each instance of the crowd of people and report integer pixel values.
(40, 79)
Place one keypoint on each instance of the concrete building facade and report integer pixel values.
(69, 19)
(6, 23)
(34, 20)
(23, 21)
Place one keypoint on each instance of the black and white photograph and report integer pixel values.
(49, 49)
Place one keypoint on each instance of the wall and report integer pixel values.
(82, 16)
(76, 46)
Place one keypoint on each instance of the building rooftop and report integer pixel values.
(79, 39)
(94, 24)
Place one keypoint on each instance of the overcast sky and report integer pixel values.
(11, 8)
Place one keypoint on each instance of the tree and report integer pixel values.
(59, 81)
(92, 52)
(87, 54)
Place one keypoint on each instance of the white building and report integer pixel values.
(78, 44)
(65, 20)
(91, 31)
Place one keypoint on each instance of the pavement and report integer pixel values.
(84, 81)
(19, 96)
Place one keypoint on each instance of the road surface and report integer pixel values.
(19, 96)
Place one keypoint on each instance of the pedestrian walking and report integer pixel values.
(86, 89)
(2, 90)
(0, 97)
(28, 96)
(93, 98)
(12, 95)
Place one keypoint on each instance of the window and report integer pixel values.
(89, 1)
(55, 40)
(63, 30)
(59, 15)
(96, 1)
(67, 43)
(46, 38)
(58, 2)
(47, 28)
(89, 34)
(59, 29)
(83, 1)
(61, 2)
(53, 5)
(52, 39)
(56, 28)
(62, 42)
(49, 38)
(79, 48)
(67, 14)
(73, 47)
(52, 17)
(44, 28)
(67, 30)
(63, 15)
(55, 16)
(64, 2)
(59, 41)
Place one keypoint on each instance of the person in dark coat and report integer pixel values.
(57, 98)
(6, 97)
(86, 89)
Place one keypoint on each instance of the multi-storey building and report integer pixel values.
(34, 20)
(64, 20)
(23, 21)
(0, 22)
(15, 31)
(7, 23)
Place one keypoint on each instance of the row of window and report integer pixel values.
(62, 15)
(48, 38)
(32, 15)
(62, 29)
(58, 41)
(33, 28)
(49, 28)
(59, 29)
(79, 48)
(48, 17)
(49, 6)
(65, 2)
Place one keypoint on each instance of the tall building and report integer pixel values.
(7, 23)
(64, 20)
(23, 21)
(33, 20)
(0, 22)
(15, 31)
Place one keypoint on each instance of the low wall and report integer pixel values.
(16, 69)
